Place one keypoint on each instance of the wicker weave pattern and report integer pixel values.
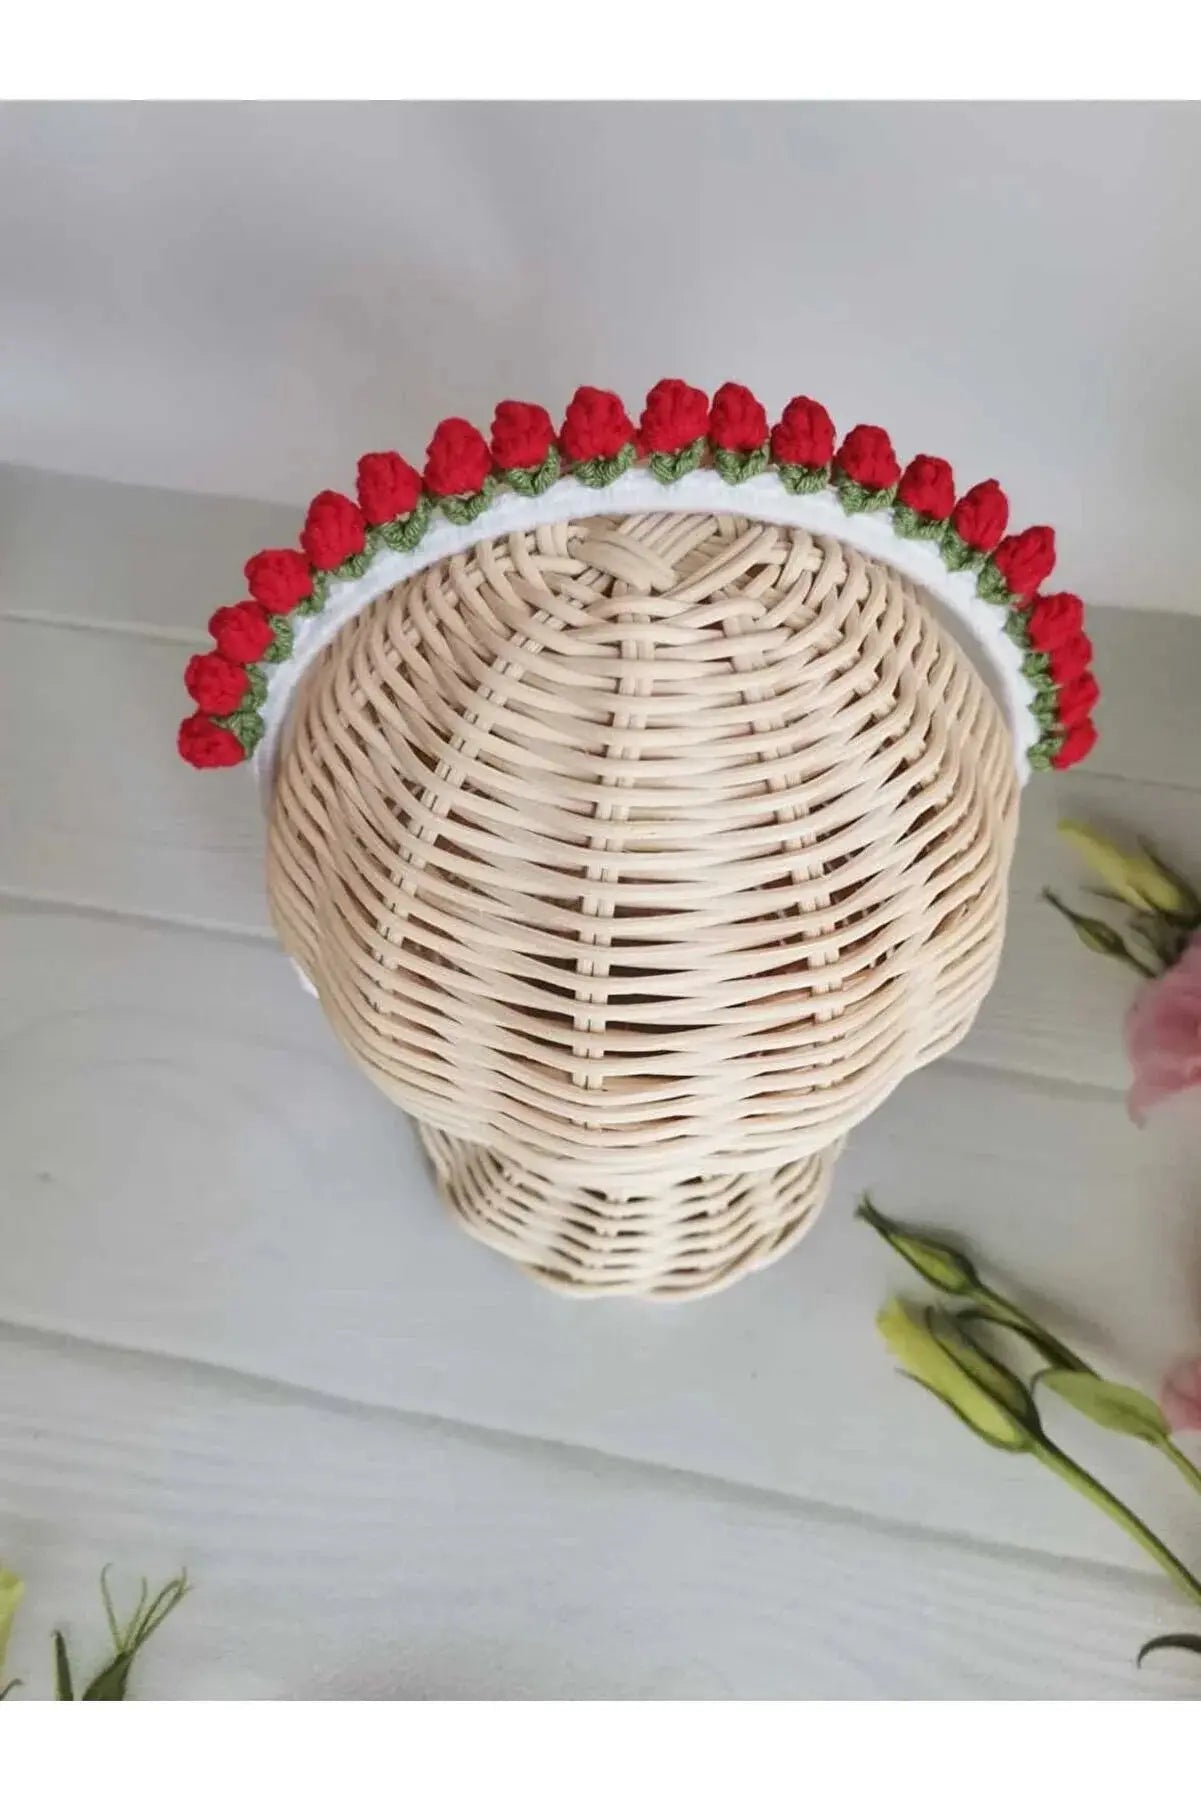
(640, 851)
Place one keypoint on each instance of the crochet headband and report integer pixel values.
(686, 455)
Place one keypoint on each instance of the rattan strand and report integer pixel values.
(642, 852)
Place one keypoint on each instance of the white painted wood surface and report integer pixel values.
(239, 1332)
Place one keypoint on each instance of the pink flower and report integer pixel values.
(1180, 1396)
(1163, 1034)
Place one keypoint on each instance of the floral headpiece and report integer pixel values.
(685, 455)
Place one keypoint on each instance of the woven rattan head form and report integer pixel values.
(640, 858)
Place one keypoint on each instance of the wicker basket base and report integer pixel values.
(673, 1244)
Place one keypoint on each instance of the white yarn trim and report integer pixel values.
(976, 624)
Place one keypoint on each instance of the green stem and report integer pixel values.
(1087, 1485)
(1185, 1465)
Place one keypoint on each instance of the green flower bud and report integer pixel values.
(1140, 880)
(938, 1263)
(931, 1363)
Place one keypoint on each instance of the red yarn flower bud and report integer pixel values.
(866, 456)
(214, 683)
(1025, 561)
(981, 516)
(1078, 742)
(1070, 658)
(804, 435)
(334, 529)
(206, 745)
(1054, 619)
(674, 417)
(928, 486)
(595, 425)
(1078, 698)
(457, 460)
(737, 420)
(387, 486)
(243, 633)
(279, 579)
(522, 435)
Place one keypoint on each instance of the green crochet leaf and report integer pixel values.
(669, 466)
(991, 584)
(1017, 627)
(739, 465)
(246, 727)
(958, 555)
(281, 649)
(461, 509)
(353, 567)
(908, 523)
(598, 472)
(856, 498)
(799, 478)
(256, 694)
(1041, 755)
(536, 481)
(317, 599)
(407, 531)
(1035, 663)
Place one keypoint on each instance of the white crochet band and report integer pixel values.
(978, 626)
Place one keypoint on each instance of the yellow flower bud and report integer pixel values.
(1139, 879)
(923, 1357)
(11, 1590)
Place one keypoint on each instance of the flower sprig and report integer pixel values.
(942, 1349)
(679, 430)
(111, 1683)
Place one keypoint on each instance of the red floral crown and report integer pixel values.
(679, 433)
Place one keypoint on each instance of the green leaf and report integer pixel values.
(991, 584)
(281, 632)
(537, 480)
(856, 498)
(147, 1617)
(908, 523)
(462, 509)
(668, 466)
(598, 472)
(1109, 1404)
(64, 1685)
(956, 554)
(801, 478)
(1171, 1641)
(736, 466)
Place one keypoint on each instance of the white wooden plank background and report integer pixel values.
(241, 1333)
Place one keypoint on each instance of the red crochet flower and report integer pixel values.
(1053, 619)
(215, 684)
(243, 633)
(334, 529)
(279, 579)
(805, 434)
(457, 460)
(1078, 698)
(1026, 560)
(866, 456)
(595, 425)
(737, 420)
(981, 516)
(1070, 658)
(674, 417)
(206, 745)
(387, 486)
(928, 486)
(522, 435)
(1076, 745)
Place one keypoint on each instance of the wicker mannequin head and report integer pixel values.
(644, 855)
(642, 801)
